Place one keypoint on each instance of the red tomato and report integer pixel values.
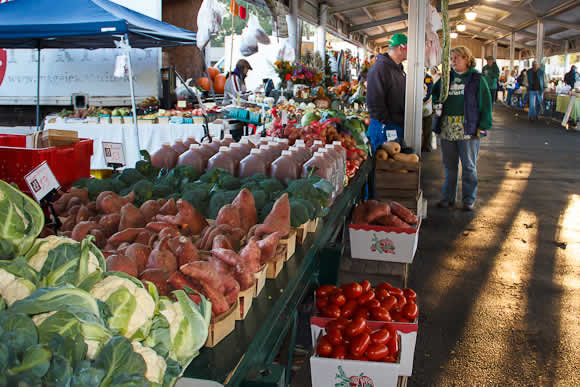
(393, 345)
(366, 285)
(337, 299)
(331, 311)
(359, 344)
(373, 304)
(321, 302)
(389, 302)
(346, 340)
(410, 294)
(342, 323)
(396, 315)
(401, 301)
(334, 336)
(324, 348)
(381, 336)
(410, 311)
(350, 356)
(381, 294)
(390, 359)
(396, 291)
(339, 352)
(352, 290)
(348, 309)
(325, 290)
(366, 297)
(380, 314)
(362, 313)
(384, 285)
(356, 327)
(377, 352)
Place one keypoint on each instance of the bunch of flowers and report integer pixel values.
(367, 64)
(284, 69)
(305, 75)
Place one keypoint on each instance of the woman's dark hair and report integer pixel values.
(243, 65)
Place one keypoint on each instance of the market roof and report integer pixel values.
(496, 20)
(82, 24)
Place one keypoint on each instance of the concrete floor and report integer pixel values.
(499, 288)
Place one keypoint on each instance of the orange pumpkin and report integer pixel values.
(212, 71)
(204, 83)
(219, 83)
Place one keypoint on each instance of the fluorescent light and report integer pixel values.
(470, 15)
(453, 35)
(461, 27)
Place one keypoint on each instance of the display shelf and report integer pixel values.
(256, 340)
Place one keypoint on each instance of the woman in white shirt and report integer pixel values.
(510, 85)
(235, 84)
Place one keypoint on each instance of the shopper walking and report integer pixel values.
(427, 113)
(571, 77)
(535, 77)
(386, 94)
(491, 74)
(510, 86)
(466, 116)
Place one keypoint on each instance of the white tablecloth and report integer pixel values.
(151, 137)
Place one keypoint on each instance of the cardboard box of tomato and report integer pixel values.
(384, 305)
(371, 357)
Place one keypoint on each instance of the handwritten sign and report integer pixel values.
(114, 153)
(41, 181)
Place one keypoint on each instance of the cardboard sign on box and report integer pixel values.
(327, 372)
(407, 332)
(381, 243)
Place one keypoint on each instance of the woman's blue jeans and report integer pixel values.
(451, 153)
(509, 96)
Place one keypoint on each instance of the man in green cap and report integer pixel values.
(491, 74)
(386, 94)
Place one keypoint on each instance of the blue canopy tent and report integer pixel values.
(89, 24)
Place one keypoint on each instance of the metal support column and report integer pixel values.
(321, 30)
(540, 41)
(494, 52)
(512, 50)
(482, 57)
(416, 74)
(365, 46)
(567, 54)
(293, 32)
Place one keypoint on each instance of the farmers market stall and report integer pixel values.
(151, 136)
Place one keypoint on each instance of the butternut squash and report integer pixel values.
(409, 158)
(382, 154)
(391, 147)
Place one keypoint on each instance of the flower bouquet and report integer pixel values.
(284, 69)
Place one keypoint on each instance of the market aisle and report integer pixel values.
(499, 288)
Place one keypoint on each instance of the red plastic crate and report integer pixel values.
(68, 163)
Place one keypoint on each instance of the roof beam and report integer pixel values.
(507, 8)
(402, 30)
(507, 28)
(491, 37)
(465, 4)
(372, 18)
(358, 5)
(562, 24)
(377, 23)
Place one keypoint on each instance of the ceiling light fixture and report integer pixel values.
(470, 15)
(461, 27)
(453, 35)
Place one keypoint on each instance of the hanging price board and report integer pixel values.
(41, 181)
(114, 153)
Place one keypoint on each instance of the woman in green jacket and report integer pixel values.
(465, 118)
(491, 74)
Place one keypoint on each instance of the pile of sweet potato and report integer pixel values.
(379, 213)
(170, 244)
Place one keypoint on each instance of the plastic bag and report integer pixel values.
(252, 34)
(433, 50)
(286, 52)
(209, 21)
(181, 90)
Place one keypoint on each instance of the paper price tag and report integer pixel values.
(356, 106)
(114, 153)
(182, 103)
(391, 135)
(41, 181)
(284, 117)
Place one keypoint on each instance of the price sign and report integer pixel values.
(114, 153)
(284, 117)
(182, 103)
(391, 135)
(41, 181)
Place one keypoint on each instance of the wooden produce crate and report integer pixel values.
(275, 266)
(245, 298)
(221, 326)
(290, 243)
(260, 280)
(393, 184)
(302, 232)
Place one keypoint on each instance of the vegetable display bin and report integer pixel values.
(68, 163)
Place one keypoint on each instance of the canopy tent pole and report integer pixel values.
(132, 86)
(38, 90)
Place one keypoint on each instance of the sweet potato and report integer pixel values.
(221, 241)
(158, 226)
(127, 235)
(202, 241)
(268, 247)
(169, 232)
(228, 256)
(130, 217)
(109, 202)
(188, 219)
(158, 277)
(244, 275)
(186, 252)
(46, 231)
(92, 206)
(82, 229)
(178, 281)
(73, 211)
(202, 270)
(278, 220)
(144, 237)
(220, 266)
(81, 193)
(403, 213)
(231, 289)
(61, 203)
(140, 253)
(250, 254)
(68, 224)
(74, 201)
(209, 239)
(122, 263)
(169, 208)
(359, 213)
(392, 221)
(230, 215)
(100, 238)
(219, 305)
(247, 208)
(376, 209)
(162, 258)
(149, 209)
(123, 247)
(110, 223)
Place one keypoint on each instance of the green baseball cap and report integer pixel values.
(397, 40)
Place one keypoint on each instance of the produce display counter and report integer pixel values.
(151, 137)
(563, 104)
(248, 352)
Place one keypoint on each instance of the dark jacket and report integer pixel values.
(540, 74)
(386, 91)
(477, 103)
(570, 78)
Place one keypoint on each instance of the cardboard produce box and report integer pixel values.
(52, 137)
